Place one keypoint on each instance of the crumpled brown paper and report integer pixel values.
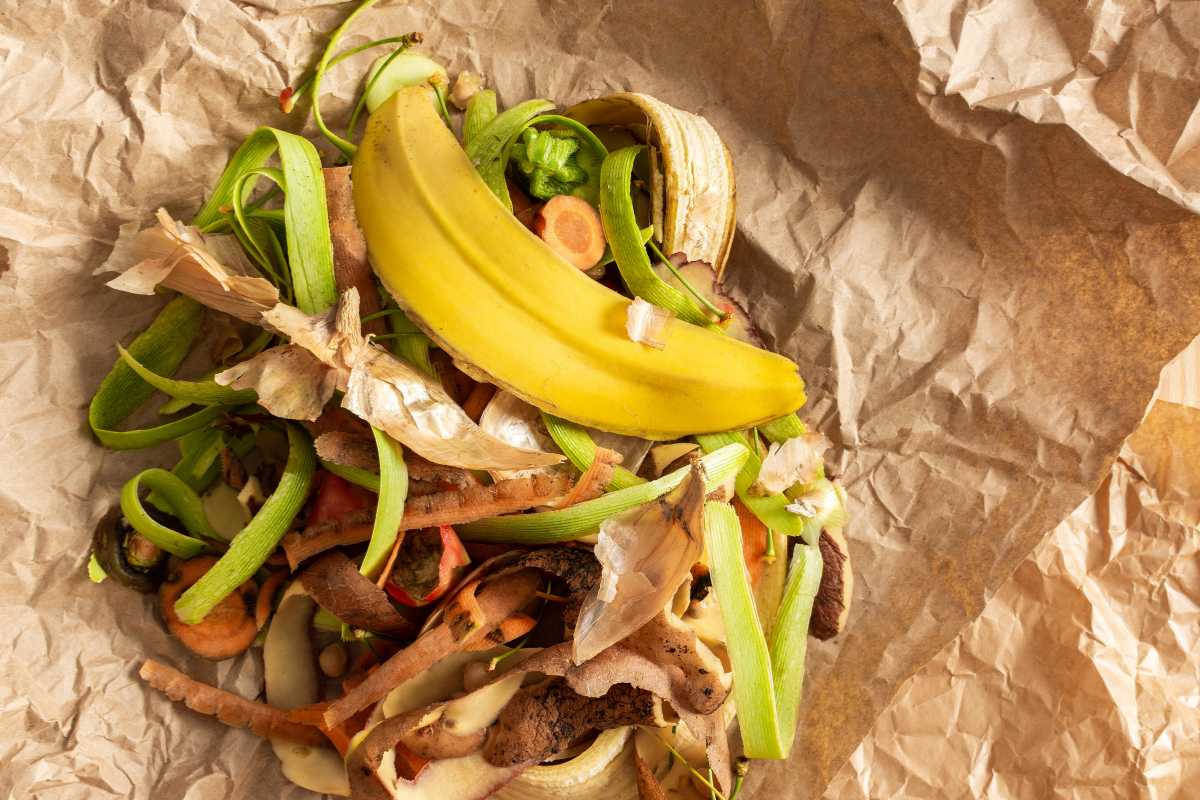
(980, 303)
(1084, 670)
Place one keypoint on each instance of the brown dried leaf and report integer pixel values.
(646, 553)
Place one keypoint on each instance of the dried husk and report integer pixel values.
(210, 269)
(290, 382)
(646, 553)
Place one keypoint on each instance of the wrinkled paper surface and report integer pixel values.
(980, 298)
(1084, 670)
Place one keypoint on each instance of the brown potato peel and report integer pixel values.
(339, 588)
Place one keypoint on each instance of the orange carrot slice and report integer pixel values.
(572, 229)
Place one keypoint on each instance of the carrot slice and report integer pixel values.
(227, 630)
(237, 712)
(478, 399)
(572, 229)
(266, 595)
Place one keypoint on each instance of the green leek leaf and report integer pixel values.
(306, 218)
(389, 512)
(580, 450)
(624, 237)
(583, 519)
(254, 543)
(183, 502)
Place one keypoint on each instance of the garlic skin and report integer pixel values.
(466, 85)
(798, 460)
(647, 324)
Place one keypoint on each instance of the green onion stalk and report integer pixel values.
(356, 475)
(768, 676)
(251, 546)
(583, 519)
(580, 450)
(161, 348)
(389, 512)
(182, 501)
(624, 237)
(770, 509)
(305, 215)
(481, 110)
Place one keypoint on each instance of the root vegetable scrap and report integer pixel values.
(572, 229)
(229, 629)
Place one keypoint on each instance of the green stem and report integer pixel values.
(203, 392)
(359, 477)
(753, 681)
(348, 148)
(389, 512)
(584, 518)
(789, 637)
(161, 348)
(770, 509)
(580, 450)
(481, 110)
(254, 543)
(624, 237)
(780, 430)
(183, 502)
(674, 270)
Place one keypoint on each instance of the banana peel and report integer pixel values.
(495, 296)
(697, 199)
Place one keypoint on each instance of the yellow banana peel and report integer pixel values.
(493, 295)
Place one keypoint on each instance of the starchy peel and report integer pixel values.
(518, 313)
(698, 196)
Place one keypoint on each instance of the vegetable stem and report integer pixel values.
(184, 504)
(389, 512)
(753, 680)
(161, 348)
(580, 450)
(780, 430)
(254, 543)
(481, 110)
(347, 148)
(207, 392)
(359, 477)
(584, 518)
(789, 637)
(624, 238)
(770, 509)
(679, 276)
